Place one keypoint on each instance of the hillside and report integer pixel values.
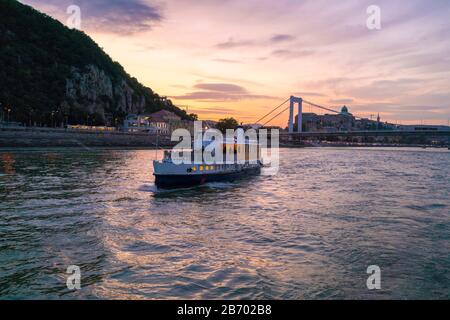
(52, 74)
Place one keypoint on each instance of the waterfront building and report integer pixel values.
(423, 128)
(145, 123)
(343, 121)
(161, 122)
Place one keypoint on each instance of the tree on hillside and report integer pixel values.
(38, 55)
(193, 116)
(227, 123)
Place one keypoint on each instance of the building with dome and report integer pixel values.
(342, 121)
(344, 111)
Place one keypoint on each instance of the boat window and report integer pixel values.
(193, 169)
(200, 168)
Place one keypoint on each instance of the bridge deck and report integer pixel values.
(433, 133)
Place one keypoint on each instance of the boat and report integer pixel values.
(172, 174)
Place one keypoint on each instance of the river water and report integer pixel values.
(309, 232)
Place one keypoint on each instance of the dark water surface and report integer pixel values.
(309, 232)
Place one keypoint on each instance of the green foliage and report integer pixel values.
(193, 116)
(36, 56)
(227, 123)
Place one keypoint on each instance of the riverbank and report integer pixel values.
(325, 144)
(23, 137)
(50, 137)
(376, 145)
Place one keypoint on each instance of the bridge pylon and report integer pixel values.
(293, 100)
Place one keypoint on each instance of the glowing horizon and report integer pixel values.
(240, 59)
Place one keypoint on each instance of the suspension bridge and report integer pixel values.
(296, 131)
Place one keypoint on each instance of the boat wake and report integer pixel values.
(218, 185)
(152, 188)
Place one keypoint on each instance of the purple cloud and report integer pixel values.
(227, 60)
(276, 38)
(221, 87)
(309, 94)
(292, 54)
(108, 16)
(341, 101)
(221, 92)
(234, 44)
(213, 110)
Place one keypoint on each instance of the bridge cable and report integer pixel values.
(275, 116)
(310, 103)
(307, 102)
(320, 107)
(272, 111)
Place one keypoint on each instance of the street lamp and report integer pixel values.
(31, 116)
(9, 111)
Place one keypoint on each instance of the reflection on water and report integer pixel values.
(7, 160)
(309, 232)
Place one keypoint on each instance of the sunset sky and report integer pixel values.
(241, 58)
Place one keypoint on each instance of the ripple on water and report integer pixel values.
(308, 232)
(144, 248)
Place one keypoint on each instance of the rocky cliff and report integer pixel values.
(92, 89)
(51, 74)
